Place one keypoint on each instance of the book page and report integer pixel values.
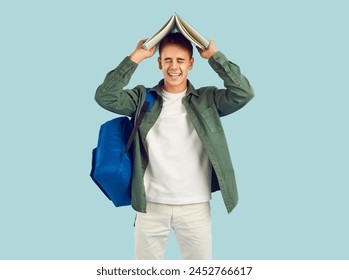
(163, 31)
(191, 33)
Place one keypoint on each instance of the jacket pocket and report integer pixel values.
(212, 120)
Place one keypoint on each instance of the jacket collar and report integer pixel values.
(159, 86)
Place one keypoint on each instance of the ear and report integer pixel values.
(159, 62)
(191, 61)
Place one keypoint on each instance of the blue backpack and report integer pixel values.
(112, 158)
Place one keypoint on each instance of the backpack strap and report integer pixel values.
(149, 101)
(150, 98)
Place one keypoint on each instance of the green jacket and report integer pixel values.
(204, 107)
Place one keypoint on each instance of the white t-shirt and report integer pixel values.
(179, 171)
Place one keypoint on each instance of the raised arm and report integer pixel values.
(111, 94)
(238, 91)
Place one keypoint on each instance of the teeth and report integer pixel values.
(174, 75)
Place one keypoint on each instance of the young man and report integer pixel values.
(180, 153)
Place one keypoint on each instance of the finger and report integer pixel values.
(212, 45)
(141, 42)
(153, 48)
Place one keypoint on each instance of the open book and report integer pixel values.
(173, 24)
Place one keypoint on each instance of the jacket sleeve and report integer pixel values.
(238, 91)
(111, 95)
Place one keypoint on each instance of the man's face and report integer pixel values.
(175, 62)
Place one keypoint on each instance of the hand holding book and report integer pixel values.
(207, 53)
(140, 53)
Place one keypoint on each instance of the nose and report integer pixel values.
(174, 65)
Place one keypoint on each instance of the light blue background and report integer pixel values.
(289, 145)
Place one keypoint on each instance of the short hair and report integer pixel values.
(178, 39)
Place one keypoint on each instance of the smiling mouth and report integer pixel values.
(174, 74)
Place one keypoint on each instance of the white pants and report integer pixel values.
(191, 224)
